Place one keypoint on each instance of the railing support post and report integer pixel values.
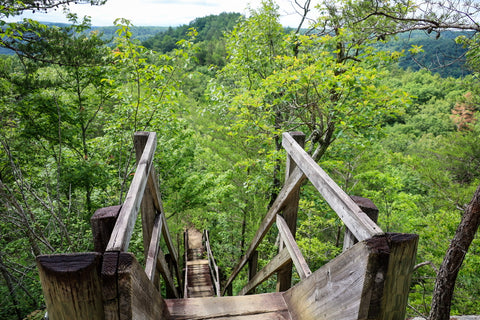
(72, 285)
(252, 267)
(370, 209)
(103, 221)
(290, 211)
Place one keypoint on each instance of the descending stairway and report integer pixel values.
(198, 280)
(370, 279)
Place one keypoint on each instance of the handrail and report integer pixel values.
(352, 216)
(292, 183)
(122, 232)
(290, 253)
(123, 229)
(212, 263)
(292, 247)
(349, 212)
(185, 248)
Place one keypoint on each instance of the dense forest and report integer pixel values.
(219, 93)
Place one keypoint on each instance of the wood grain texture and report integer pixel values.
(369, 281)
(153, 249)
(269, 305)
(72, 286)
(334, 291)
(147, 207)
(137, 296)
(293, 249)
(279, 261)
(289, 213)
(352, 216)
(165, 271)
(403, 250)
(110, 295)
(123, 229)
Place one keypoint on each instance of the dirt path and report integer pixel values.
(194, 239)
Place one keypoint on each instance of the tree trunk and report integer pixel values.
(447, 275)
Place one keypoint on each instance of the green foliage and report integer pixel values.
(71, 102)
(209, 41)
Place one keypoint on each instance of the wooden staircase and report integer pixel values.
(369, 280)
(198, 279)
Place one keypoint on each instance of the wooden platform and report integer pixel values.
(269, 306)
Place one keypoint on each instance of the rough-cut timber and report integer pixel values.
(71, 285)
(292, 247)
(103, 221)
(370, 210)
(354, 218)
(290, 211)
(129, 294)
(253, 307)
(368, 281)
(122, 232)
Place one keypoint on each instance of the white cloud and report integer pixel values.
(162, 12)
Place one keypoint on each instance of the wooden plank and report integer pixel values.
(157, 201)
(227, 307)
(102, 222)
(123, 229)
(212, 264)
(171, 248)
(284, 276)
(352, 216)
(403, 250)
(293, 183)
(71, 285)
(185, 247)
(282, 315)
(152, 253)
(370, 210)
(110, 285)
(138, 297)
(336, 290)
(165, 271)
(252, 270)
(292, 247)
(371, 280)
(279, 261)
(147, 207)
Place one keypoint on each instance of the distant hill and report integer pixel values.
(210, 44)
(139, 33)
(441, 54)
(209, 28)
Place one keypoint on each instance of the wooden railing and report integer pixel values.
(112, 284)
(212, 263)
(300, 166)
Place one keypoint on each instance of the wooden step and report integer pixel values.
(267, 306)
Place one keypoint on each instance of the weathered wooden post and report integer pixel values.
(370, 209)
(290, 211)
(72, 285)
(127, 291)
(252, 268)
(102, 222)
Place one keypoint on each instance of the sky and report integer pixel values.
(163, 12)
